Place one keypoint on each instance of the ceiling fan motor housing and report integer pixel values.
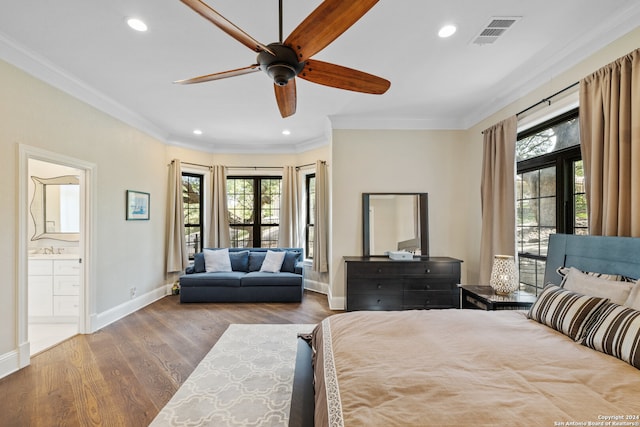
(281, 67)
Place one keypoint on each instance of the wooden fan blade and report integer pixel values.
(223, 75)
(225, 25)
(341, 77)
(325, 24)
(286, 98)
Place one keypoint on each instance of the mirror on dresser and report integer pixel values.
(55, 208)
(395, 221)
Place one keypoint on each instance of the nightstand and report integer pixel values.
(485, 298)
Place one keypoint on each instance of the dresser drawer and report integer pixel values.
(379, 286)
(401, 268)
(429, 285)
(429, 299)
(66, 285)
(66, 306)
(374, 302)
(40, 267)
(66, 267)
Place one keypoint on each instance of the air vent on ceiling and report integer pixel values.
(496, 27)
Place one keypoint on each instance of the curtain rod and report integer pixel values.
(270, 167)
(250, 167)
(195, 164)
(548, 99)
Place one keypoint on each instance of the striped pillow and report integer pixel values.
(563, 271)
(565, 311)
(616, 332)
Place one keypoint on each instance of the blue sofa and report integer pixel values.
(245, 283)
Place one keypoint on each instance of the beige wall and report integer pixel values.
(396, 161)
(129, 253)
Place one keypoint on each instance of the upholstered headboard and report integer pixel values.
(602, 254)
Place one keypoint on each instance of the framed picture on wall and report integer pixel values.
(137, 205)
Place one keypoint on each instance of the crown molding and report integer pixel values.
(625, 21)
(42, 69)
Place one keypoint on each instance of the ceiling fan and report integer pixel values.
(285, 60)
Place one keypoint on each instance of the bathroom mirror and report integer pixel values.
(55, 208)
(395, 221)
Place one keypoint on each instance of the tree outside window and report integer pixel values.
(254, 210)
(192, 203)
(550, 195)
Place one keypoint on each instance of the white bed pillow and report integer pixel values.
(616, 291)
(634, 297)
(216, 261)
(273, 262)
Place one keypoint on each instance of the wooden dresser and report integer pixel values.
(380, 283)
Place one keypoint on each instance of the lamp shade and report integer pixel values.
(504, 275)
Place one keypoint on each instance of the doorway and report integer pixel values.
(54, 263)
(55, 213)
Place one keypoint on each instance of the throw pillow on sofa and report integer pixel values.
(255, 260)
(239, 261)
(272, 262)
(217, 260)
(289, 264)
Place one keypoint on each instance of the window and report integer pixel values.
(310, 191)
(550, 194)
(254, 210)
(192, 203)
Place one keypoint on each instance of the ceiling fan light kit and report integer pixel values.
(284, 61)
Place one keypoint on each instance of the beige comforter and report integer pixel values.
(464, 368)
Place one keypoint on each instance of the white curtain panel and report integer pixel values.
(498, 194)
(217, 223)
(177, 258)
(289, 233)
(321, 220)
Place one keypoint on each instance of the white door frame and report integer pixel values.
(87, 247)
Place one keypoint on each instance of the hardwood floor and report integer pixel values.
(125, 373)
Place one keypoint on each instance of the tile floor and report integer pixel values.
(42, 336)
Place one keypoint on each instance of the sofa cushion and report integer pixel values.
(239, 261)
(198, 263)
(226, 279)
(255, 260)
(257, 278)
(290, 260)
(217, 260)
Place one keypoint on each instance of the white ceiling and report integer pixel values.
(85, 47)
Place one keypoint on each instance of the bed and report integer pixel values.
(472, 367)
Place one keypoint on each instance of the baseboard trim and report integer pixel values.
(336, 303)
(9, 363)
(316, 286)
(105, 318)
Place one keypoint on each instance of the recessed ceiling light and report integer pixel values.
(447, 31)
(137, 24)
(197, 132)
(286, 132)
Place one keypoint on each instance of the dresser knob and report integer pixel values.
(379, 301)
(379, 270)
(379, 286)
(427, 271)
